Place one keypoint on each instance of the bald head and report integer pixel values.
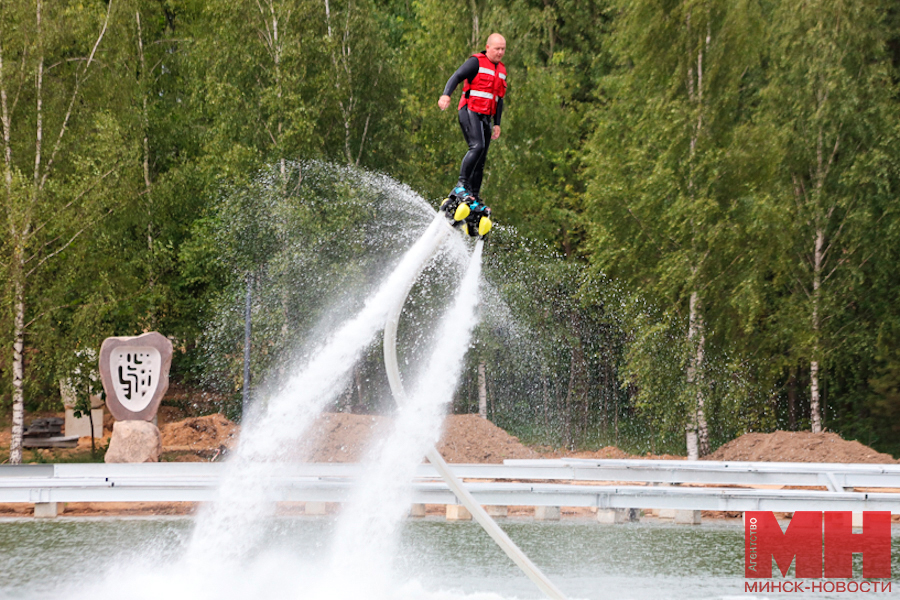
(495, 47)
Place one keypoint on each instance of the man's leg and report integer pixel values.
(473, 132)
(478, 171)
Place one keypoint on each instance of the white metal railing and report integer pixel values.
(564, 482)
(833, 476)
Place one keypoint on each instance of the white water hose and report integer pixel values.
(456, 486)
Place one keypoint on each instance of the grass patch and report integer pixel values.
(56, 455)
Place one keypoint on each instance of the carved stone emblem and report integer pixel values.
(135, 374)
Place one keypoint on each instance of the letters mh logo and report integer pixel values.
(822, 543)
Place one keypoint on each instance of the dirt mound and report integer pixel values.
(472, 439)
(84, 443)
(798, 446)
(169, 414)
(211, 431)
(342, 437)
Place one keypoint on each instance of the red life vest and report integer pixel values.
(483, 92)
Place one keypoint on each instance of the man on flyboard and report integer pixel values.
(482, 101)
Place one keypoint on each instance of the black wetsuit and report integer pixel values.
(476, 128)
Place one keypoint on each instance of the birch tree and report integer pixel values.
(46, 60)
(363, 85)
(249, 70)
(662, 217)
(830, 99)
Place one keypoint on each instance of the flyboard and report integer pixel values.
(456, 486)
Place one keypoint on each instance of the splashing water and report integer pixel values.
(225, 530)
(367, 532)
(229, 555)
(224, 558)
(366, 536)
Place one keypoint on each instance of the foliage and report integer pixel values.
(633, 195)
(79, 374)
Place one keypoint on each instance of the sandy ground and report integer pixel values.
(198, 433)
(345, 437)
(798, 446)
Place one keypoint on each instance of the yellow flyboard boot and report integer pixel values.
(484, 226)
(478, 223)
(455, 206)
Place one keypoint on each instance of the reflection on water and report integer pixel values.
(99, 558)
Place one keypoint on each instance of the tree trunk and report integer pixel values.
(820, 219)
(18, 416)
(360, 395)
(545, 396)
(20, 231)
(792, 401)
(476, 34)
(277, 49)
(814, 419)
(691, 439)
(248, 340)
(145, 131)
(145, 126)
(815, 414)
(5, 123)
(697, 436)
(697, 431)
(19, 332)
(91, 423)
(699, 361)
(482, 391)
(492, 408)
(568, 438)
(39, 83)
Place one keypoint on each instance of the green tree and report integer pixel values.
(363, 86)
(665, 208)
(61, 152)
(830, 101)
(248, 70)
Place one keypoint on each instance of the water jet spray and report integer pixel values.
(434, 457)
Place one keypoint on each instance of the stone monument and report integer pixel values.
(135, 376)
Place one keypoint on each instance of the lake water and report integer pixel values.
(140, 558)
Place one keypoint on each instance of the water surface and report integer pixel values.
(141, 558)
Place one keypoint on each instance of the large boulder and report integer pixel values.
(134, 442)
